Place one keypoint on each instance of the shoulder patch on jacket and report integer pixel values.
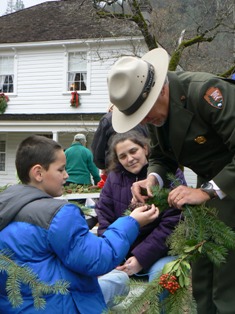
(214, 97)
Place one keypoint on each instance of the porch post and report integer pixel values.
(55, 136)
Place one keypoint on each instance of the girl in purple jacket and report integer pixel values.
(128, 163)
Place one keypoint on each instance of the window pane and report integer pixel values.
(6, 83)
(77, 81)
(2, 146)
(6, 74)
(77, 62)
(6, 65)
(2, 155)
(77, 75)
(2, 162)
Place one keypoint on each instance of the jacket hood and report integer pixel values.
(14, 198)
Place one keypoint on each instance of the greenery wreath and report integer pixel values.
(74, 101)
(3, 102)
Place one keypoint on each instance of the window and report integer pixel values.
(6, 74)
(77, 71)
(2, 153)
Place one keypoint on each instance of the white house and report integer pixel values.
(46, 53)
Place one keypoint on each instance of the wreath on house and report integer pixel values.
(3, 102)
(74, 101)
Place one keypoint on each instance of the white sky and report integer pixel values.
(27, 3)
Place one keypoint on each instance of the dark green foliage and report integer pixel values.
(179, 302)
(159, 198)
(203, 233)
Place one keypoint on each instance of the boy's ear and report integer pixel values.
(36, 172)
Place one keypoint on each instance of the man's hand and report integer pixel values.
(186, 195)
(131, 266)
(146, 184)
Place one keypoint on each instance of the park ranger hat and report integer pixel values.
(134, 85)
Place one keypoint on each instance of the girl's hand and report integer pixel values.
(131, 266)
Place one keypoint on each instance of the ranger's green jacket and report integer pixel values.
(200, 130)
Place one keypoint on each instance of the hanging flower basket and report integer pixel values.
(3, 102)
(74, 102)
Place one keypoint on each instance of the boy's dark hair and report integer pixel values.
(34, 150)
(134, 136)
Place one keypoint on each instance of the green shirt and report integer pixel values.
(80, 166)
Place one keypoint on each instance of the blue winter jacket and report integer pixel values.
(52, 238)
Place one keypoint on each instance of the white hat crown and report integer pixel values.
(134, 85)
(126, 81)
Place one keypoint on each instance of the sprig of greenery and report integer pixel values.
(3, 102)
(17, 275)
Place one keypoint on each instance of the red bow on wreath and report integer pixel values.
(74, 99)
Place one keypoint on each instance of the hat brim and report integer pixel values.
(159, 59)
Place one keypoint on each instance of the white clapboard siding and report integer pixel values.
(41, 80)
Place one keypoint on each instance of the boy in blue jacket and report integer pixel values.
(52, 238)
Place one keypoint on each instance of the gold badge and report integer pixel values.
(200, 139)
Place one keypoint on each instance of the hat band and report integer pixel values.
(144, 93)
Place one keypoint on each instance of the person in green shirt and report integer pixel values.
(79, 163)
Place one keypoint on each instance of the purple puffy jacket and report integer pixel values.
(115, 198)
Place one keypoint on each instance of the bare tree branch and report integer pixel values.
(212, 19)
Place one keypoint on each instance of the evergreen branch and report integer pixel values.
(17, 275)
(159, 198)
(137, 302)
(179, 302)
(199, 234)
(13, 286)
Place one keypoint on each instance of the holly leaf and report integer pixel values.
(188, 249)
(168, 267)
